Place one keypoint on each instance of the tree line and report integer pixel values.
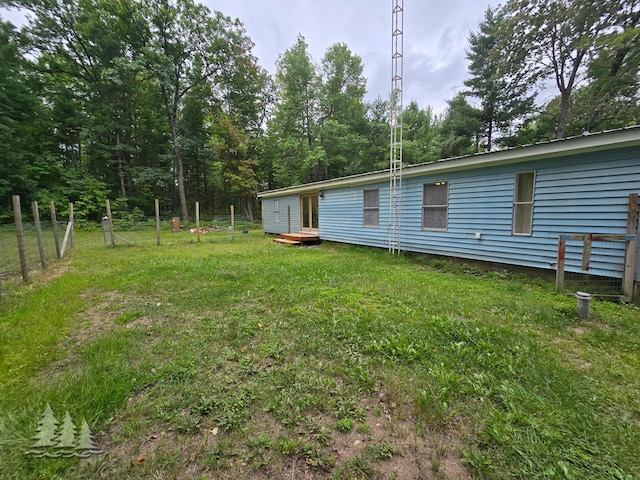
(135, 100)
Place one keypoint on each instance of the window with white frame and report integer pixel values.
(435, 206)
(371, 210)
(523, 203)
(276, 211)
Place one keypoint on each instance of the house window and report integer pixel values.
(523, 203)
(276, 211)
(435, 205)
(371, 208)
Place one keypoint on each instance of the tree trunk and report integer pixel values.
(176, 152)
(119, 155)
(565, 92)
(197, 164)
(127, 155)
(489, 136)
(565, 103)
(207, 201)
(248, 210)
(172, 118)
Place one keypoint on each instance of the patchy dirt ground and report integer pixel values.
(154, 452)
(386, 443)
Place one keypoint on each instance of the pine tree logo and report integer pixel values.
(46, 435)
(57, 440)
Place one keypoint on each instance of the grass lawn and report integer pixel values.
(248, 360)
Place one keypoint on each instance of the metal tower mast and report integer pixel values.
(395, 121)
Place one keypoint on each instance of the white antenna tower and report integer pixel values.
(395, 121)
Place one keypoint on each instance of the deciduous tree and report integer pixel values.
(610, 99)
(552, 40)
(421, 132)
(232, 148)
(342, 112)
(190, 47)
(295, 120)
(26, 166)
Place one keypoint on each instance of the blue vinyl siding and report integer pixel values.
(341, 216)
(287, 202)
(572, 195)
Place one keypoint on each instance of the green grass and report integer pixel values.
(244, 359)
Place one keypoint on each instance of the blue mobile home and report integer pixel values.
(507, 207)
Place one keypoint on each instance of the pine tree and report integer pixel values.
(67, 438)
(501, 102)
(85, 446)
(46, 434)
(461, 128)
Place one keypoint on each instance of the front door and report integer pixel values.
(309, 212)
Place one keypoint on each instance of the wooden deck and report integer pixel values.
(299, 238)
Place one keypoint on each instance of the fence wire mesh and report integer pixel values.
(211, 228)
(57, 236)
(597, 270)
(9, 255)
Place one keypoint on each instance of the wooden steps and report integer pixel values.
(286, 241)
(299, 238)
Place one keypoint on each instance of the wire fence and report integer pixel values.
(9, 256)
(135, 231)
(594, 264)
(171, 230)
(30, 247)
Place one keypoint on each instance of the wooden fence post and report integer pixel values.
(632, 247)
(233, 223)
(562, 249)
(157, 222)
(198, 221)
(109, 219)
(17, 215)
(586, 251)
(54, 225)
(36, 223)
(72, 238)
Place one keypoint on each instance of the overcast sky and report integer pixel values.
(435, 38)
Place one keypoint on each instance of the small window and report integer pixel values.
(371, 209)
(435, 206)
(276, 211)
(523, 203)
